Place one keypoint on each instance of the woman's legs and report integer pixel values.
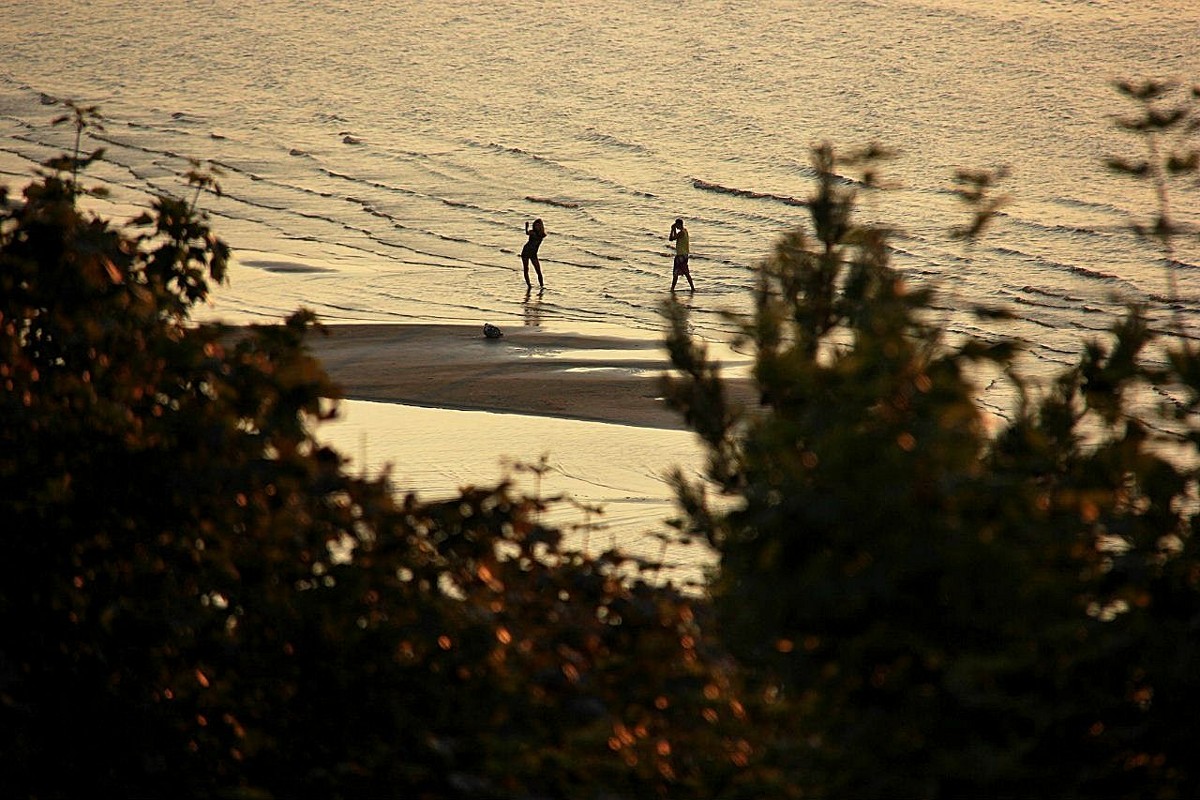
(537, 265)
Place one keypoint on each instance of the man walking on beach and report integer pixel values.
(679, 236)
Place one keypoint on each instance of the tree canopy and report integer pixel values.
(198, 600)
(926, 602)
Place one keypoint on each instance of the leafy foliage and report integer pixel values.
(1166, 121)
(927, 607)
(198, 601)
(912, 599)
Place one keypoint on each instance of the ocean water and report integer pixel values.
(378, 160)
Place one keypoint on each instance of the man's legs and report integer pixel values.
(680, 267)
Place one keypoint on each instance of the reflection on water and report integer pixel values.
(533, 307)
(619, 468)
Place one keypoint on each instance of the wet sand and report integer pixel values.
(528, 370)
(442, 407)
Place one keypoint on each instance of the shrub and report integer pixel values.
(198, 601)
(925, 607)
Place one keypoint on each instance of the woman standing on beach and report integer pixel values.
(530, 251)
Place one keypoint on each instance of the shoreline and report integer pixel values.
(529, 370)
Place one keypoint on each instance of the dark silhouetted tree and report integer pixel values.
(197, 600)
(933, 603)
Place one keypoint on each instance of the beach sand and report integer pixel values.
(529, 370)
(442, 407)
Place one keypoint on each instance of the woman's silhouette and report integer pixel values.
(530, 251)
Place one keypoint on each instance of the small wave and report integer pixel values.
(716, 187)
(550, 201)
(363, 182)
(603, 256)
(459, 204)
(517, 151)
(612, 141)
(1025, 301)
(21, 123)
(1075, 269)
(1093, 273)
(1076, 202)
(348, 139)
(227, 167)
(1046, 348)
(1074, 230)
(1010, 251)
(1175, 303)
(1053, 295)
(502, 148)
(183, 116)
(140, 148)
(392, 188)
(1053, 227)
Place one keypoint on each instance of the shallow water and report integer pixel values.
(378, 160)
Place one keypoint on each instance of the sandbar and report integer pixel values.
(528, 370)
